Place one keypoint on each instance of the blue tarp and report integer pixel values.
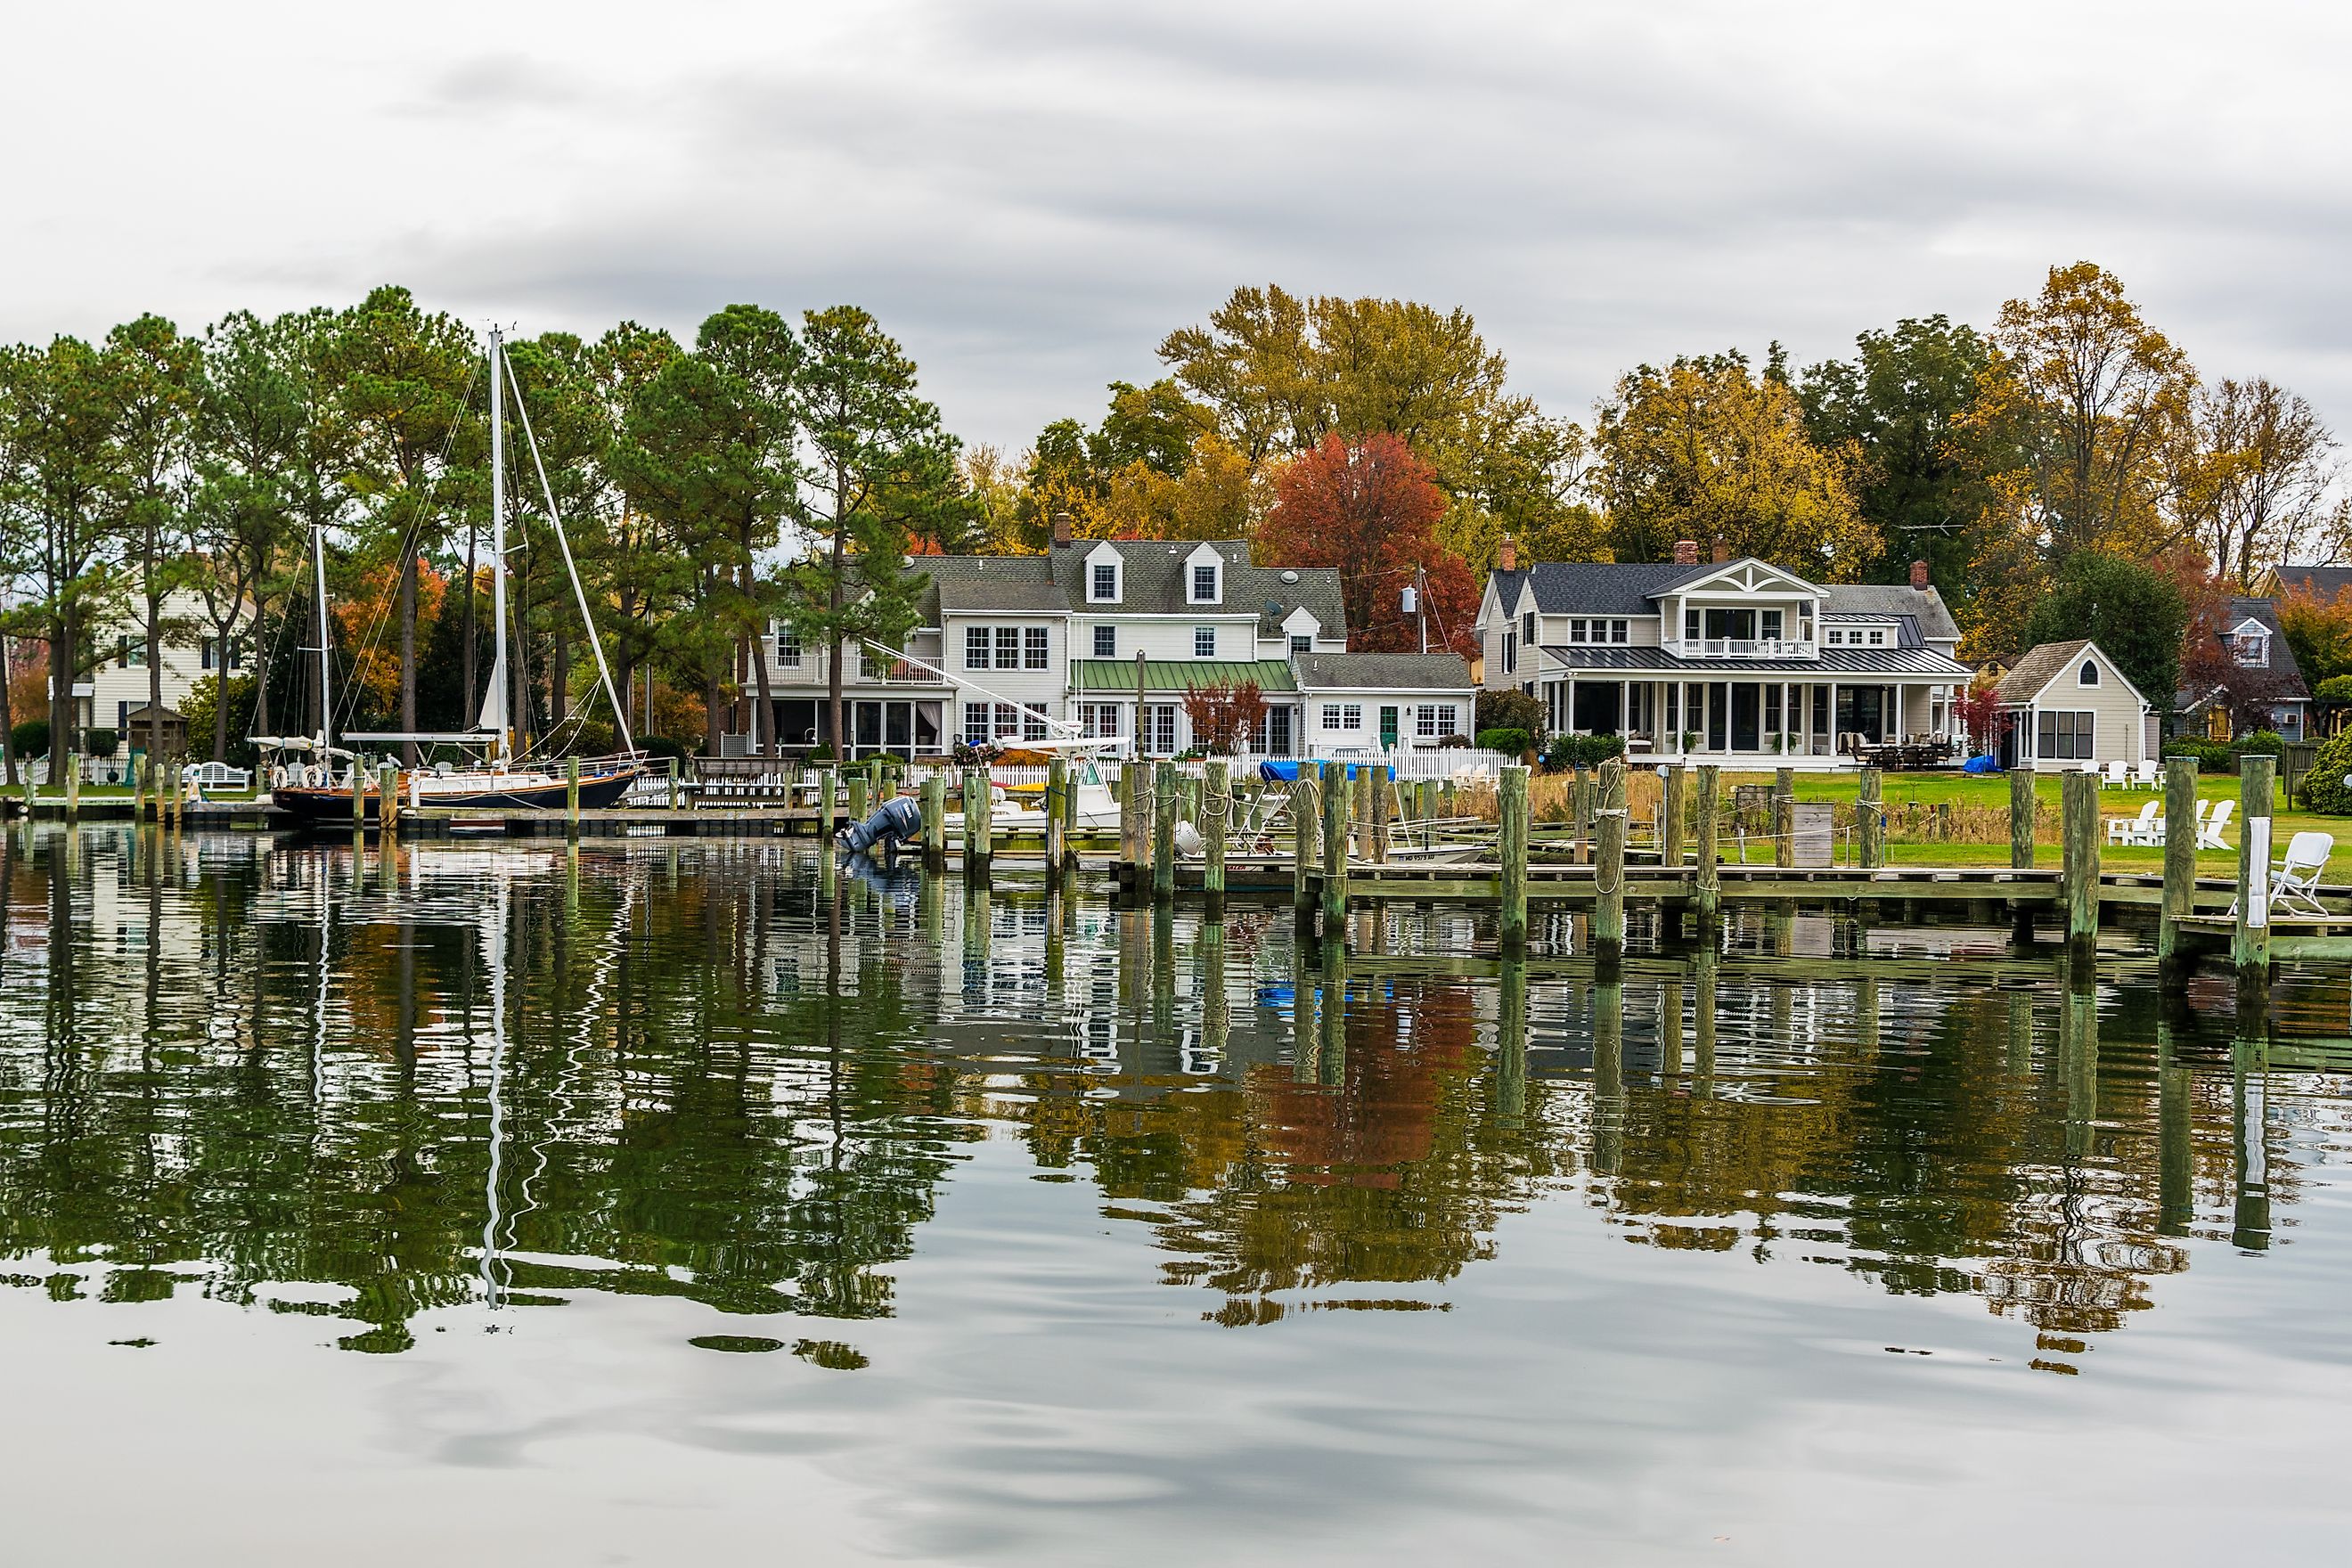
(1287, 772)
(1986, 764)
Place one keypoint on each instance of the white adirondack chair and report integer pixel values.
(2115, 776)
(2147, 775)
(2135, 829)
(2295, 884)
(2208, 832)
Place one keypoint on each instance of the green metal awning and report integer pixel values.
(1179, 674)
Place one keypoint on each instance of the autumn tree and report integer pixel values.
(2136, 613)
(2256, 480)
(1224, 715)
(2318, 628)
(1371, 508)
(1706, 450)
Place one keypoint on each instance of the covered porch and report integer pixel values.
(1752, 721)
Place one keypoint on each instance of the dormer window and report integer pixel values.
(2249, 644)
(1104, 584)
(1205, 584)
(2089, 674)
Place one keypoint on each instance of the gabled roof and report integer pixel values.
(2320, 581)
(1609, 588)
(1153, 582)
(1923, 606)
(2039, 666)
(1383, 672)
(2279, 680)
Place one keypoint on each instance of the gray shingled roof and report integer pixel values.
(2321, 582)
(1926, 607)
(2038, 667)
(1609, 588)
(1383, 672)
(2280, 681)
(1834, 663)
(1154, 582)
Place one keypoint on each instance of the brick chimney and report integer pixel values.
(1722, 551)
(1506, 554)
(1061, 530)
(1919, 575)
(1685, 551)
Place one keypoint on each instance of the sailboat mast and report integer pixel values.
(495, 700)
(326, 644)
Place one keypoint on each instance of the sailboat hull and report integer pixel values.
(313, 804)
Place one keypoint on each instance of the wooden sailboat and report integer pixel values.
(314, 779)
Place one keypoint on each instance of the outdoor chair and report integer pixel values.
(2149, 775)
(2133, 830)
(2208, 832)
(2115, 776)
(2295, 884)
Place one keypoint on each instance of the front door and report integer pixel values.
(1387, 729)
(1747, 716)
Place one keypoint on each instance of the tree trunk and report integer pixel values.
(7, 720)
(156, 675)
(408, 653)
(832, 606)
(767, 716)
(711, 715)
(61, 697)
(220, 697)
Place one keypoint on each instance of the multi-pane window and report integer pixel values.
(1205, 642)
(1301, 644)
(131, 653)
(1436, 720)
(1770, 629)
(1511, 652)
(976, 644)
(976, 724)
(2089, 674)
(1690, 625)
(1008, 648)
(1008, 722)
(2066, 736)
(1106, 642)
(1877, 636)
(212, 653)
(1343, 716)
(1034, 647)
(1159, 728)
(1528, 627)
(1205, 584)
(1098, 721)
(1032, 723)
(1106, 580)
(787, 649)
(1599, 630)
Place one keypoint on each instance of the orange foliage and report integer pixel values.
(374, 609)
(1371, 508)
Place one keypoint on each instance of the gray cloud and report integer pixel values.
(1032, 192)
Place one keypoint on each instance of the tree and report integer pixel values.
(2319, 631)
(2088, 400)
(880, 469)
(1897, 406)
(152, 374)
(1371, 508)
(2257, 480)
(2135, 612)
(1706, 450)
(1978, 712)
(1529, 475)
(1225, 714)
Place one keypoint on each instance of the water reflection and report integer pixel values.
(364, 1085)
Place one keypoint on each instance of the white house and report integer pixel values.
(2068, 707)
(117, 689)
(1736, 661)
(1014, 647)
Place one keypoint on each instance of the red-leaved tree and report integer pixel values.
(1224, 715)
(1371, 508)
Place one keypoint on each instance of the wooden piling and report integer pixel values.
(179, 796)
(1376, 825)
(571, 797)
(2179, 870)
(1216, 803)
(2080, 820)
(1579, 812)
(1870, 818)
(388, 799)
(2021, 807)
(1334, 793)
(1164, 796)
(1706, 879)
(858, 803)
(673, 783)
(935, 822)
(1306, 846)
(825, 782)
(2250, 941)
(1057, 784)
(1134, 833)
(1784, 817)
(1609, 872)
(1513, 811)
(1669, 816)
(142, 789)
(1069, 814)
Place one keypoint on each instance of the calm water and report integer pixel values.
(491, 1205)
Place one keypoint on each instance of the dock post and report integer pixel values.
(388, 799)
(1334, 795)
(1669, 816)
(935, 822)
(1057, 784)
(359, 798)
(1165, 795)
(1305, 841)
(172, 772)
(2021, 805)
(1359, 813)
(142, 789)
(2080, 818)
(2180, 870)
(1784, 817)
(73, 785)
(1376, 826)
(1870, 819)
(858, 805)
(2250, 943)
(823, 805)
(571, 797)
(1130, 820)
(1579, 812)
(1215, 802)
(874, 783)
(1609, 874)
(1513, 810)
(1069, 820)
(1707, 880)
(673, 782)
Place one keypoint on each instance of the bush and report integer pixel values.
(99, 742)
(1509, 709)
(1453, 743)
(2259, 743)
(1584, 751)
(31, 738)
(2212, 757)
(2323, 787)
(820, 754)
(1510, 742)
(2337, 688)
(660, 746)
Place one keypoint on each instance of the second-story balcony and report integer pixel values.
(1744, 647)
(808, 666)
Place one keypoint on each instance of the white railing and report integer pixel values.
(1744, 647)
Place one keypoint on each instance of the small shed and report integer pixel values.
(2068, 706)
(136, 733)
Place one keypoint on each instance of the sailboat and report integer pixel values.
(314, 779)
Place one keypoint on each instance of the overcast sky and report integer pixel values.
(1030, 195)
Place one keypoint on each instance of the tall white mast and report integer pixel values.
(326, 646)
(495, 717)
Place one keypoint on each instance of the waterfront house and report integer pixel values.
(2067, 705)
(113, 695)
(1104, 638)
(2264, 687)
(1734, 660)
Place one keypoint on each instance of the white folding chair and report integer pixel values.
(2133, 829)
(2295, 884)
(2208, 832)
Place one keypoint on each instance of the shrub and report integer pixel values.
(31, 738)
(1509, 709)
(820, 753)
(99, 742)
(1455, 743)
(1584, 751)
(2212, 757)
(1510, 742)
(660, 746)
(2260, 744)
(2323, 787)
(2336, 688)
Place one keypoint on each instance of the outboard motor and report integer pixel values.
(897, 820)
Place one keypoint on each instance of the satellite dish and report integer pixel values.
(1290, 576)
